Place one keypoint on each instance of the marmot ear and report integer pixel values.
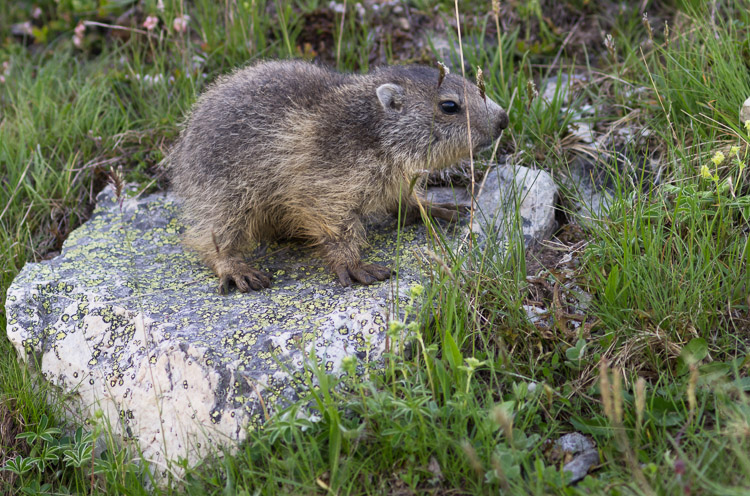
(391, 97)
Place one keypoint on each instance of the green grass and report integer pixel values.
(470, 408)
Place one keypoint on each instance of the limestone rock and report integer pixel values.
(535, 194)
(126, 322)
(589, 190)
(129, 323)
(745, 112)
(557, 87)
(505, 188)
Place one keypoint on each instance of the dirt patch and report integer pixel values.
(552, 254)
(394, 32)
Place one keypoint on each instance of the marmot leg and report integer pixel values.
(341, 252)
(446, 211)
(226, 259)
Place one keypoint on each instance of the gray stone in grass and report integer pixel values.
(584, 452)
(126, 322)
(505, 188)
(586, 187)
(556, 87)
(745, 112)
(515, 193)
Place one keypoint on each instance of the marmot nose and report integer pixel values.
(501, 122)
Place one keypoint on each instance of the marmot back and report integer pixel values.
(290, 149)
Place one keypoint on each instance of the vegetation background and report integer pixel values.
(643, 344)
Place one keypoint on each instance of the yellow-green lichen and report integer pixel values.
(120, 265)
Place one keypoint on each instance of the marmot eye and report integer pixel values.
(449, 107)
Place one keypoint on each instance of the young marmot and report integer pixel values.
(288, 149)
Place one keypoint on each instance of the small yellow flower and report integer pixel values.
(416, 290)
(717, 158)
(705, 172)
(747, 125)
(394, 326)
(349, 364)
(734, 150)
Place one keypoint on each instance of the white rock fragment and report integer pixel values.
(535, 194)
(745, 112)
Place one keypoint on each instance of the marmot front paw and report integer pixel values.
(245, 278)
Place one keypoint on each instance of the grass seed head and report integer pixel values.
(505, 421)
(474, 461)
(117, 181)
(640, 400)
(617, 394)
(444, 71)
(531, 91)
(605, 391)
(647, 25)
(609, 42)
(480, 83)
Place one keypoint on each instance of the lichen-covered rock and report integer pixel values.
(127, 322)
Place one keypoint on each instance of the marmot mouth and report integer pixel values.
(483, 145)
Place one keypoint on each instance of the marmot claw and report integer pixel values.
(245, 278)
(362, 273)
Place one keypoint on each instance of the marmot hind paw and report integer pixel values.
(362, 273)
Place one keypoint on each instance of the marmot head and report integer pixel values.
(432, 123)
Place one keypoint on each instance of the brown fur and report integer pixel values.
(288, 149)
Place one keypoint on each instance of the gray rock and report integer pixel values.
(535, 194)
(574, 443)
(585, 454)
(126, 322)
(586, 186)
(583, 131)
(556, 87)
(559, 86)
(745, 112)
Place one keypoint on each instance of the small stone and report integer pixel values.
(536, 314)
(585, 187)
(551, 88)
(745, 112)
(585, 454)
(507, 186)
(583, 131)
